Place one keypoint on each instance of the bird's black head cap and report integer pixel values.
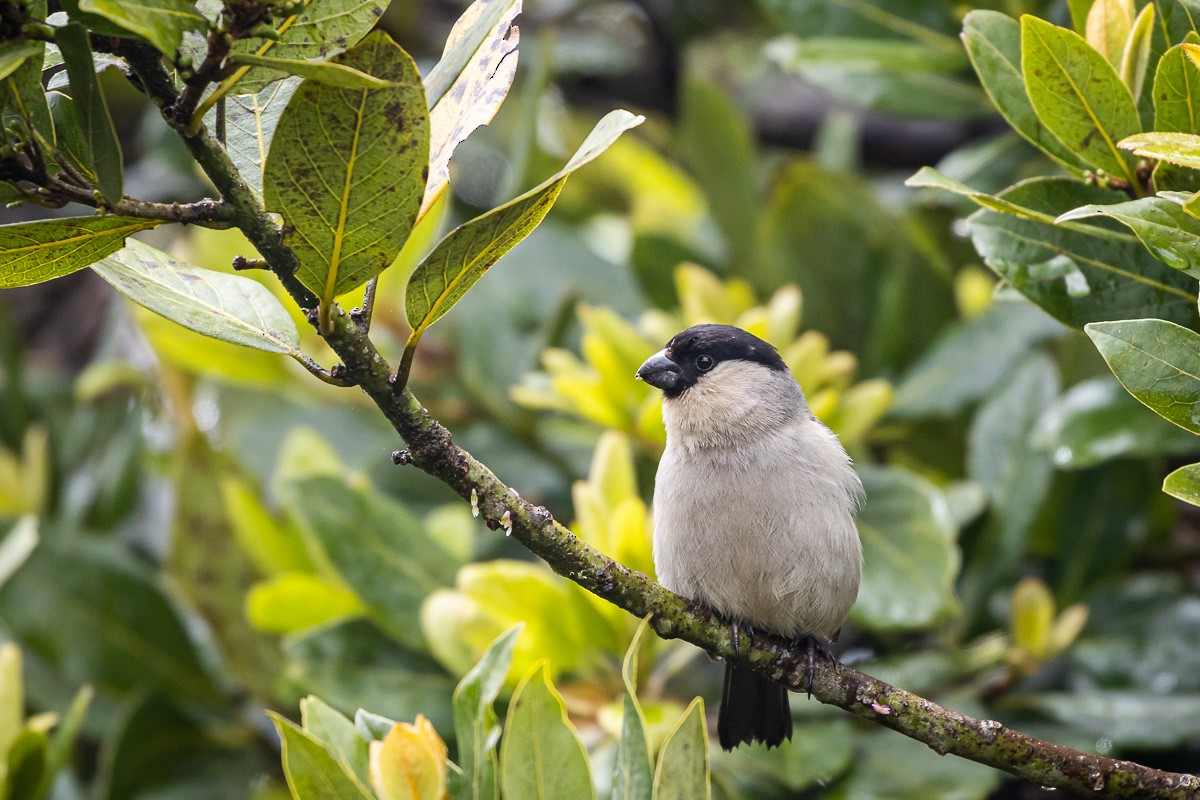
(701, 348)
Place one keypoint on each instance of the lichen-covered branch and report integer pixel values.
(431, 448)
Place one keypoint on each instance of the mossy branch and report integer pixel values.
(431, 448)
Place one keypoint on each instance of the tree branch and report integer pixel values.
(431, 448)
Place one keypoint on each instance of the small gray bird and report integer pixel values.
(754, 506)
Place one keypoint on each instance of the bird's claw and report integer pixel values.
(812, 648)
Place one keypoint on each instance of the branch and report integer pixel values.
(431, 448)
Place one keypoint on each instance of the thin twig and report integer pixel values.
(432, 450)
(334, 376)
(362, 315)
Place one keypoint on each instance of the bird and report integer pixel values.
(755, 502)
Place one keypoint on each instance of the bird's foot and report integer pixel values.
(813, 647)
(737, 627)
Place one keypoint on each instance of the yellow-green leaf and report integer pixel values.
(14, 53)
(541, 756)
(310, 770)
(682, 771)
(298, 600)
(100, 136)
(468, 251)
(347, 170)
(1136, 56)
(1108, 25)
(32, 252)
(1176, 148)
(1184, 484)
(330, 73)
(160, 22)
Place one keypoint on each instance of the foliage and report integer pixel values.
(196, 529)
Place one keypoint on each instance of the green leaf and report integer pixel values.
(250, 121)
(924, 22)
(113, 626)
(820, 750)
(1136, 55)
(993, 42)
(1108, 26)
(1129, 719)
(682, 771)
(1184, 484)
(70, 139)
(891, 767)
(1078, 95)
(22, 91)
(310, 769)
(633, 771)
(468, 251)
(322, 28)
(1176, 148)
(353, 663)
(160, 22)
(1158, 362)
(475, 726)
(273, 545)
(347, 170)
(1167, 230)
(466, 87)
(100, 137)
(12, 696)
(341, 739)
(25, 768)
(1176, 93)
(378, 548)
(910, 558)
(231, 308)
(18, 542)
(541, 757)
(1075, 277)
(1002, 458)
(970, 360)
(61, 751)
(1096, 421)
(14, 53)
(329, 73)
(930, 178)
(296, 601)
(32, 252)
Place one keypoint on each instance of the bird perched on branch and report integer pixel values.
(754, 506)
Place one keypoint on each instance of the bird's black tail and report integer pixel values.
(753, 709)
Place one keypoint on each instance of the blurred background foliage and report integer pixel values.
(197, 532)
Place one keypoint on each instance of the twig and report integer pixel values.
(335, 376)
(431, 449)
(362, 314)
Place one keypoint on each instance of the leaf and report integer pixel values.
(901, 92)
(633, 771)
(1078, 95)
(18, 542)
(890, 767)
(100, 137)
(475, 726)
(1075, 277)
(231, 308)
(160, 22)
(1002, 458)
(1158, 362)
(32, 252)
(682, 771)
(321, 29)
(347, 170)
(25, 769)
(1184, 484)
(339, 736)
(1176, 93)
(468, 251)
(1176, 148)
(310, 770)
(329, 73)
(1096, 421)
(927, 23)
(971, 358)
(113, 626)
(377, 547)
(354, 663)
(1129, 719)
(14, 53)
(274, 546)
(541, 757)
(1136, 56)
(1163, 226)
(296, 601)
(466, 87)
(1108, 26)
(62, 744)
(12, 697)
(21, 90)
(250, 121)
(70, 139)
(930, 178)
(910, 558)
(994, 44)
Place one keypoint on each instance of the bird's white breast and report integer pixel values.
(754, 508)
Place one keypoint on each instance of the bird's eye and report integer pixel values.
(704, 363)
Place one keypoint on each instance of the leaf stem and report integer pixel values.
(331, 376)
(406, 361)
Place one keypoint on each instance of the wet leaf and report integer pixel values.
(1167, 230)
(1158, 362)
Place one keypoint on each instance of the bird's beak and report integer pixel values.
(660, 371)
